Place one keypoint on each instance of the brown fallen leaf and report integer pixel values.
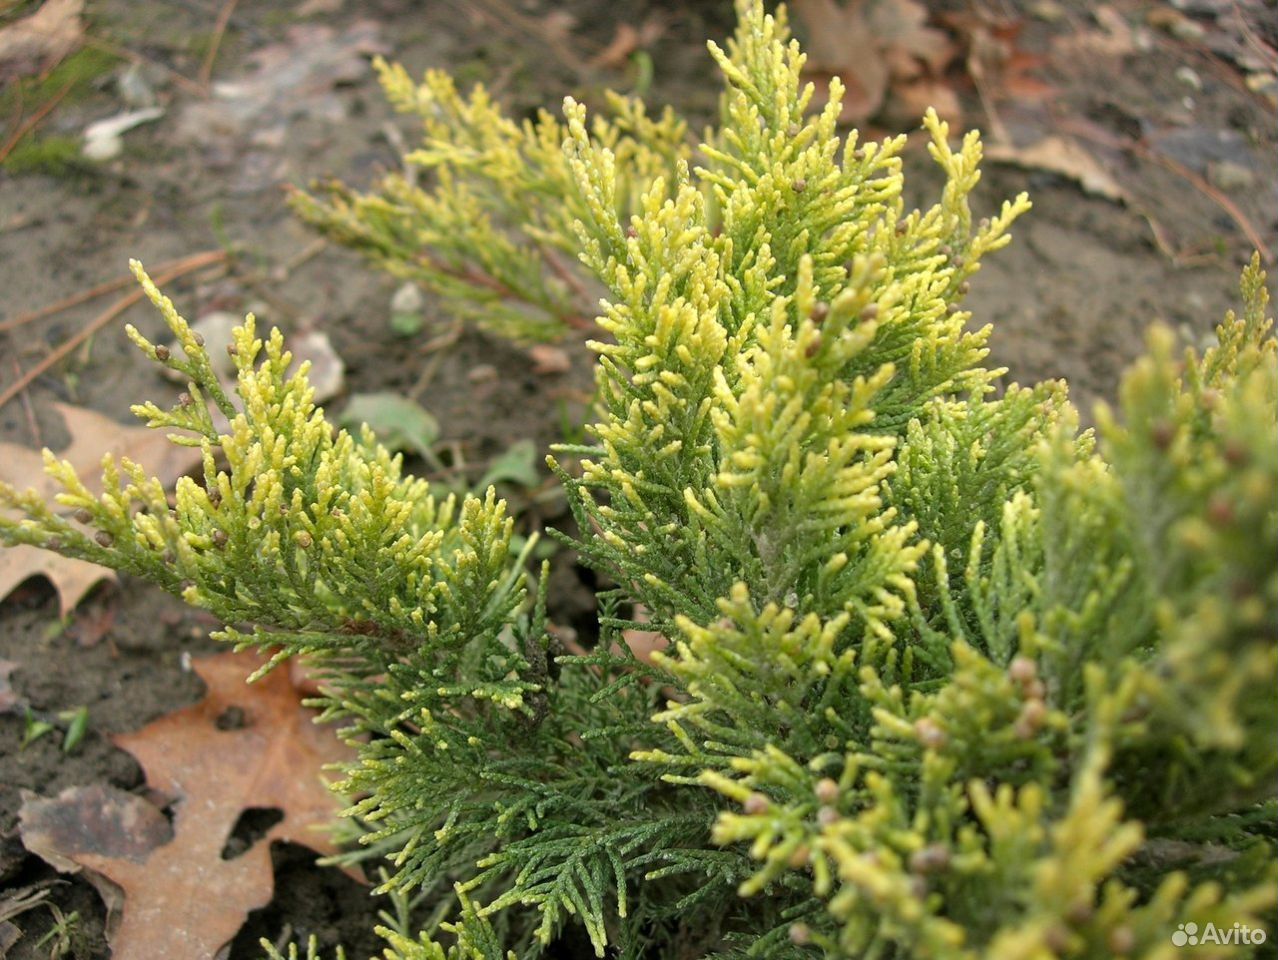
(96, 822)
(72, 579)
(997, 65)
(92, 437)
(872, 46)
(644, 643)
(1064, 157)
(841, 43)
(243, 747)
(911, 99)
(94, 620)
(40, 41)
(910, 46)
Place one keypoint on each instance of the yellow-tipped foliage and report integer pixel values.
(945, 677)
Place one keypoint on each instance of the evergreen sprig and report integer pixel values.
(942, 676)
(493, 235)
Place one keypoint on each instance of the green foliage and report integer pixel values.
(494, 235)
(73, 78)
(53, 155)
(70, 80)
(398, 422)
(945, 677)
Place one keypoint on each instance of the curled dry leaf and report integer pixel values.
(841, 43)
(86, 826)
(40, 41)
(911, 101)
(242, 747)
(1064, 157)
(102, 139)
(92, 437)
(1000, 67)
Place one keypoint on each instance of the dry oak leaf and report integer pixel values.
(92, 437)
(244, 746)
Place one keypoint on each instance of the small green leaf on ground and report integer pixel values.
(517, 465)
(77, 722)
(399, 423)
(407, 305)
(34, 730)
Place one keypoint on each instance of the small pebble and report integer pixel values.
(1230, 176)
(1049, 11)
(1189, 77)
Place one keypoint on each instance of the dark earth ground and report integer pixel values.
(1070, 298)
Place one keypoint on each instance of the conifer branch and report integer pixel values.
(945, 676)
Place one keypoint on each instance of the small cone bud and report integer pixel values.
(933, 858)
(1022, 670)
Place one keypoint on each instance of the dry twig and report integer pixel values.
(83, 297)
(1143, 151)
(33, 121)
(219, 31)
(32, 423)
(185, 266)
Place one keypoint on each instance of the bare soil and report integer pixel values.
(1072, 297)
